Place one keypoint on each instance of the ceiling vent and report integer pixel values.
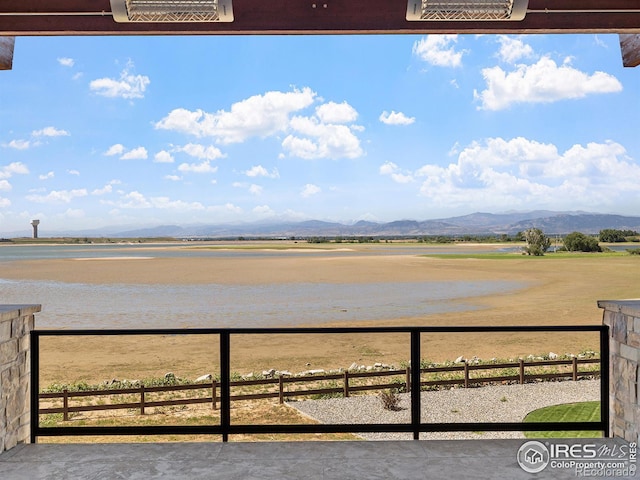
(466, 10)
(172, 11)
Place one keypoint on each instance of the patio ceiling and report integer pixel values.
(93, 17)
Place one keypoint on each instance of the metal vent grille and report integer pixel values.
(464, 10)
(175, 11)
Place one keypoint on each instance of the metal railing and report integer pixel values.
(226, 428)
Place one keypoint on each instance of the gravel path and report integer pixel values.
(501, 403)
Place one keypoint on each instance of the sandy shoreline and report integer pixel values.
(561, 291)
(247, 271)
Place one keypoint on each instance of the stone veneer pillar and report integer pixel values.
(16, 322)
(623, 319)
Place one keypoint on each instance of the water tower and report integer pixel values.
(35, 224)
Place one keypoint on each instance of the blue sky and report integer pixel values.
(99, 131)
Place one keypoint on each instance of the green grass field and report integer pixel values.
(568, 412)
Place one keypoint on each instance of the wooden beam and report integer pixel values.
(630, 46)
(6, 52)
(82, 17)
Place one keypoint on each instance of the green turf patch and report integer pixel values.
(568, 412)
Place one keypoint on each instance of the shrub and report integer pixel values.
(390, 400)
(611, 235)
(537, 242)
(579, 242)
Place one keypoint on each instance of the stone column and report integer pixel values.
(16, 322)
(623, 319)
(6, 52)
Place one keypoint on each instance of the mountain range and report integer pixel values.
(551, 223)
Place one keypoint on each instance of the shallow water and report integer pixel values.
(173, 250)
(78, 305)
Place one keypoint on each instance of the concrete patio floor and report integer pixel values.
(384, 460)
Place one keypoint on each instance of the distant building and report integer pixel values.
(35, 224)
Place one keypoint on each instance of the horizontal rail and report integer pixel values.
(318, 330)
(412, 377)
(321, 428)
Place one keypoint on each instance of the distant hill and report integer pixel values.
(474, 224)
(479, 223)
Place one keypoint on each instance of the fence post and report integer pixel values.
(466, 374)
(574, 362)
(415, 383)
(214, 399)
(346, 384)
(225, 384)
(65, 404)
(408, 379)
(281, 389)
(142, 400)
(521, 362)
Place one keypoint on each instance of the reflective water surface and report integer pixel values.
(78, 305)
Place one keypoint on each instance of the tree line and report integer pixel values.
(537, 243)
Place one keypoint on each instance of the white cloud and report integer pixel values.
(313, 139)
(18, 144)
(520, 172)
(128, 86)
(5, 185)
(66, 61)
(117, 149)
(139, 153)
(439, 50)
(260, 171)
(225, 209)
(4, 203)
(395, 118)
(256, 116)
(131, 200)
(264, 210)
(46, 176)
(322, 135)
(513, 49)
(15, 168)
(401, 178)
(108, 188)
(136, 200)
(173, 178)
(393, 171)
(204, 167)
(50, 132)
(255, 189)
(73, 172)
(163, 157)
(599, 42)
(21, 144)
(332, 112)
(165, 203)
(301, 147)
(309, 190)
(200, 151)
(58, 196)
(542, 82)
